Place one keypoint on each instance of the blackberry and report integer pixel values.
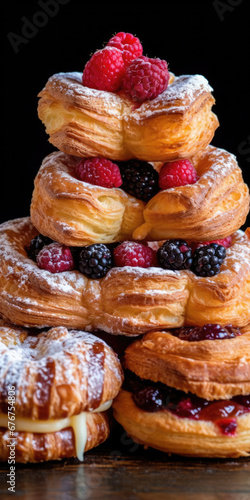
(95, 260)
(175, 255)
(208, 259)
(36, 245)
(139, 179)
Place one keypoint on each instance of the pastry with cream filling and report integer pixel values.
(55, 390)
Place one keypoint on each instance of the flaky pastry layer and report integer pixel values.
(211, 369)
(77, 213)
(56, 374)
(39, 447)
(212, 208)
(128, 300)
(88, 122)
(164, 431)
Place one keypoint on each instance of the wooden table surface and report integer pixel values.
(121, 469)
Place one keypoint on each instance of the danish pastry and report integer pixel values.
(188, 397)
(60, 384)
(128, 300)
(214, 207)
(77, 213)
(87, 122)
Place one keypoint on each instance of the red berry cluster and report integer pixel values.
(121, 65)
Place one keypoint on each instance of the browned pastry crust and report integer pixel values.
(127, 300)
(88, 122)
(77, 213)
(56, 374)
(212, 208)
(171, 434)
(41, 447)
(211, 369)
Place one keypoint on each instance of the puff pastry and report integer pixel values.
(62, 382)
(127, 300)
(167, 432)
(211, 369)
(212, 208)
(76, 213)
(87, 122)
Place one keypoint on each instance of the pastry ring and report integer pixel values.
(87, 122)
(128, 300)
(62, 383)
(76, 213)
(192, 398)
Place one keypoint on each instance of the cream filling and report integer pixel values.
(77, 422)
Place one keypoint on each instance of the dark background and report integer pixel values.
(206, 37)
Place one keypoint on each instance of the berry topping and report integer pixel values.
(99, 171)
(225, 242)
(177, 173)
(36, 245)
(208, 259)
(129, 45)
(55, 258)
(139, 178)
(145, 78)
(95, 260)
(105, 70)
(206, 332)
(149, 399)
(175, 255)
(130, 253)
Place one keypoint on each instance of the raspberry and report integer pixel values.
(206, 332)
(140, 179)
(130, 253)
(145, 78)
(36, 245)
(105, 70)
(95, 260)
(177, 173)
(129, 45)
(175, 255)
(55, 258)
(99, 171)
(208, 259)
(225, 242)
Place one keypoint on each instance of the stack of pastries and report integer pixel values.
(134, 230)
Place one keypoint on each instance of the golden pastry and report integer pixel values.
(128, 300)
(190, 397)
(59, 385)
(211, 369)
(87, 122)
(77, 213)
(214, 207)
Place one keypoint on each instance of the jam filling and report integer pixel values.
(152, 397)
(207, 332)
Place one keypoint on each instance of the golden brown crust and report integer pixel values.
(171, 434)
(88, 122)
(211, 369)
(212, 208)
(76, 213)
(34, 447)
(56, 374)
(127, 300)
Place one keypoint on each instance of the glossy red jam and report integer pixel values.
(152, 397)
(207, 332)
